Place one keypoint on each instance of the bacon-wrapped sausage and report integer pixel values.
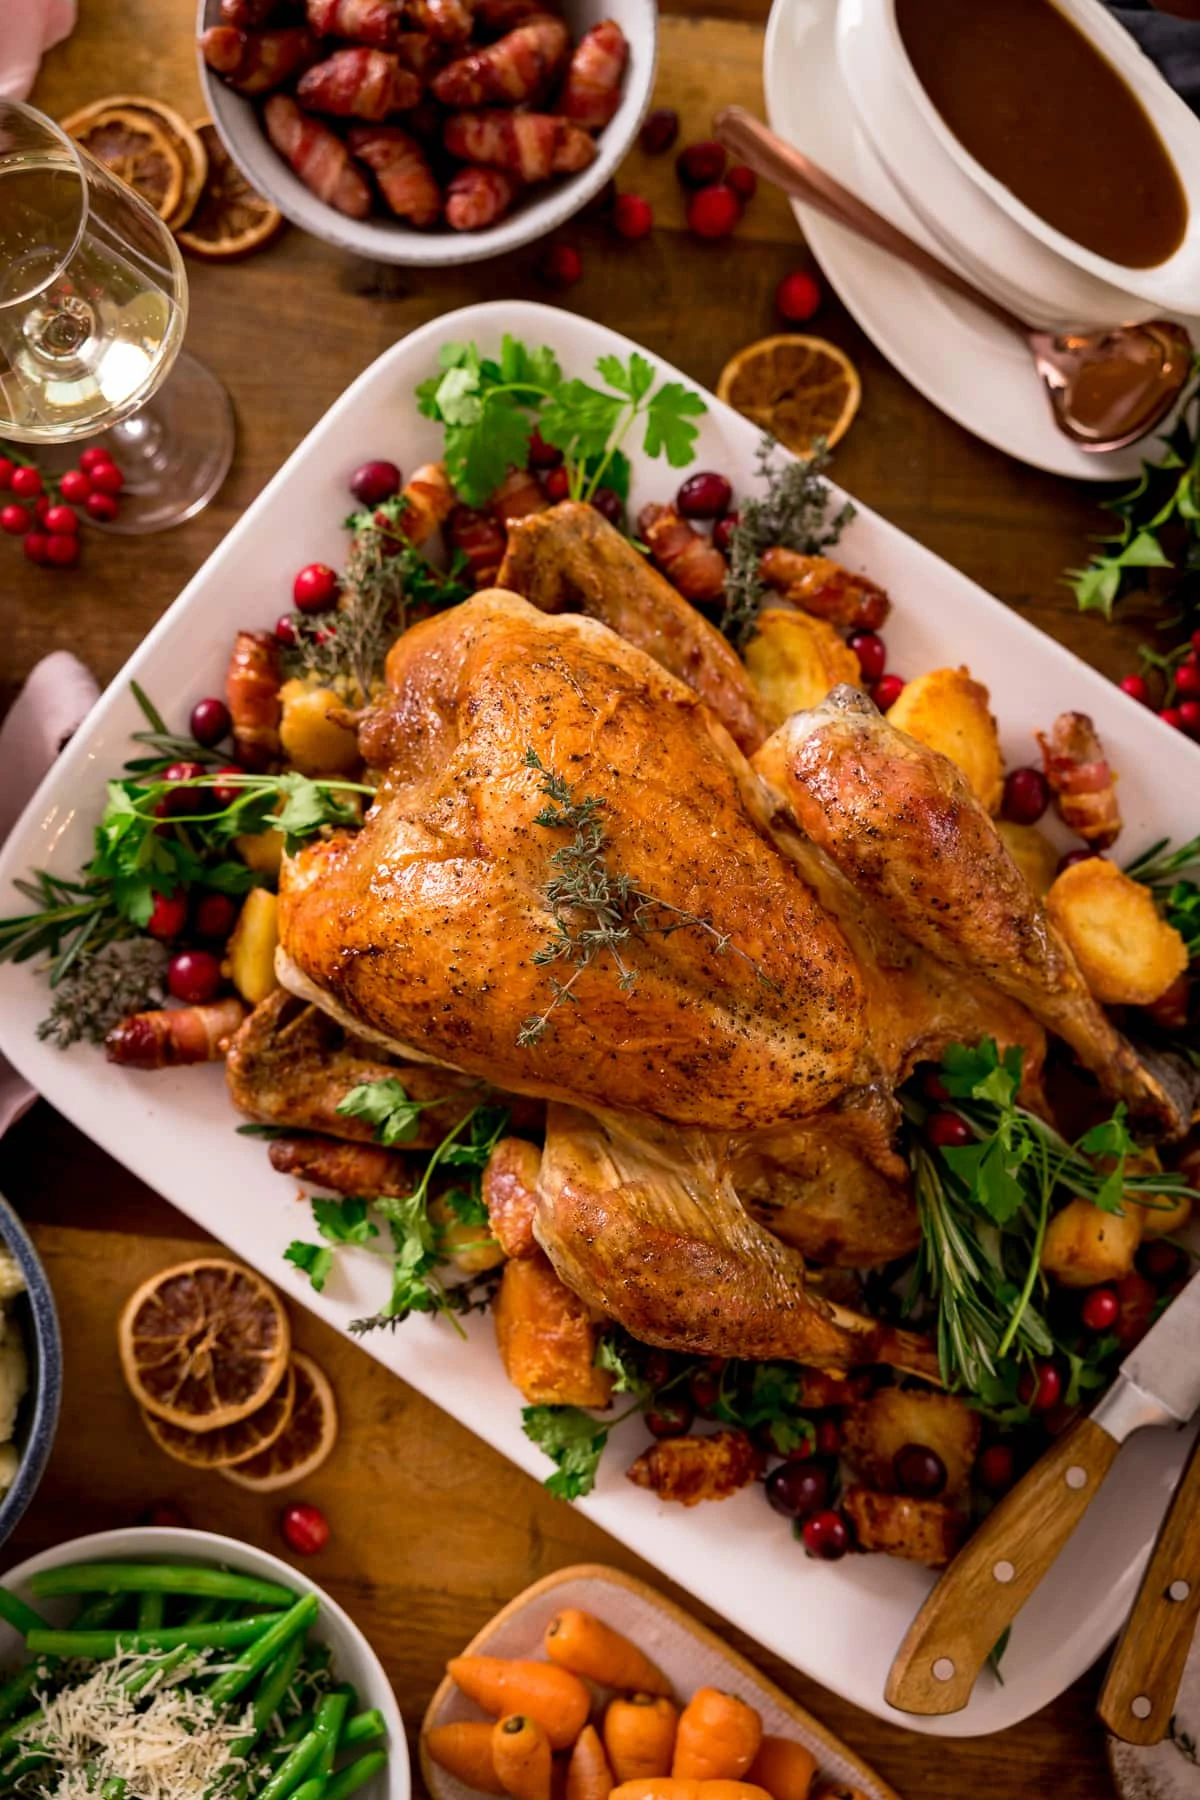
(417, 51)
(376, 22)
(476, 198)
(254, 62)
(519, 67)
(402, 170)
(320, 159)
(1083, 784)
(480, 540)
(518, 495)
(689, 562)
(822, 587)
(358, 83)
(248, 15)
(428, 499)
(591, 93)
(493, 18)
(164, 1039)
(531, 145)
(449, 21)
(691, 1469)
(345, 1168)
(252, 684)
(510, 1195)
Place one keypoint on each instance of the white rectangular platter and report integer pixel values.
(840, 1623)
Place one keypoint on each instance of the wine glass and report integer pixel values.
(93, 304)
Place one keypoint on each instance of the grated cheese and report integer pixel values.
(165, 1742)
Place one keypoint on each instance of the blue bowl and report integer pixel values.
(34, 1314)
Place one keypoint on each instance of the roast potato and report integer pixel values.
(1084, 1246)
(1033, 854)
(546, 1338)
(921, 1531)
(471, 1248)
(312, 739)
(794, 660)
(250, 952)
(1127, 953)
(947, 711)
(1169, 1213)
(893, 1417)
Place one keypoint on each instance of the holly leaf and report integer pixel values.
(386, 1107)
(316, 1260)
(573, 1440)
(668, 426)
(344, 1221)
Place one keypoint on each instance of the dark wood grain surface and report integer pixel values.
(432, 1531)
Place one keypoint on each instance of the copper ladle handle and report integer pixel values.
(786, 168)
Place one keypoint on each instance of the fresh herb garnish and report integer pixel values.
(595, 908)
(574, 1441)
(386, 1107)
(792, 512)
(98, 991)
(1167, 873)
(490, 408)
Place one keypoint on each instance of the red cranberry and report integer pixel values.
(62, 549)
(705, 1389)
(61, 518)
(743, 181)
(541, 454)
(887, 691)
(827, 1536)
(919, 1471)
(609, 504)
(1187, 679)
(35, 546)
(101, 507)
(829, 1437)
(214, 916)
(657, 1368)
(184, 800)
(934, 1088)
(1138, 1299)
(797, 297)
(165, 1514)
(670, 1416)
(168, 916)
(210, 721)
(375, 482)
(305, 1527)
(285, 629)
(1026, 796)
(659, 130)
(1040, 1388)
(315, 587)
(326, 635)
(194, 976)
(15, 519)
(1161, 1262)
(1072, 857)
(996, 1468)
(798, 1490)
(713, 212)
(871, 652)
(107, 478)
(700, 164)
(1137, 687)
(1099, 1310)
(723, 531)
(75, 484)
(224, 793)
(6, 472)
(561, 266)
(948, 1131)
(1189, 718)
(94, 457)
(556, 484)
(1170, 715)
(704, 496)
(632, 217)
(26, 483)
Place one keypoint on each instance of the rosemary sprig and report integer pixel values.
(595, 908)
(792, 512)
(1168, 874)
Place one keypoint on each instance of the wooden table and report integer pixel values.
(431, 1530)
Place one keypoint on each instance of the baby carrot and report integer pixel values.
(718, 1737)
(639, 1736)
(585, 1645)
(464, 1750)
(678, 1787)
(521, 1757)
(784, 1767)
(554, 1697)
(588, 1774)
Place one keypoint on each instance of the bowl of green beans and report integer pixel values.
(192, 1666)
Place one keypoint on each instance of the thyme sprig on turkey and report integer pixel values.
(597, 909)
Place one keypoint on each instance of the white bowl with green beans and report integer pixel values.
(215, 1668)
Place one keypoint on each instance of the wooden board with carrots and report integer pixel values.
(590, 1686)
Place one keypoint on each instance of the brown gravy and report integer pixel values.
(1029, 97)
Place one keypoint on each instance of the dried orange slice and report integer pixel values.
(797, 388)
(231, 219)
(228, 1443)
(137, 150)
(182, 137)
(310, 1436)
(204, 1344)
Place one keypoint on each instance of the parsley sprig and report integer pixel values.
(1168, 874)
(490, 408)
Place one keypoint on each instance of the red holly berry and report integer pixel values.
(1040, 1388)
(556, 484)
(1187, 679)
(41, 507)
(713, 212)
(101, 507)
(1099, 1310)
(209, 721)
(305, 1527)
(1195, 643)
(1137, 687)
(887, 691)
(1189, 717)
(561, 266)
(315, 587)
(26, 483)
(94, 457)
(214, 916)
(632, 216)
(62, 549)
(61, 518)
(35, 546)
(375, 482)
(15, 519)
(826, 1536)
(107, 478)
(194, 976)
(6, 472)
(871, 652)
(701, 164)
(948, 1131)
(285, 629)
(659, 131)
(1170, 715)
(1026, 796)
(797, 297)
(75, 484)
(996, 1468)
(168, 916)
(743, 181)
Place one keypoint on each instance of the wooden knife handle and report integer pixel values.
(1138, 1696)
(991, 1578)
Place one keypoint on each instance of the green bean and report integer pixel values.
(276, 1681)
(114, 1788)
(331, 1714)
(151, 1611)
(20, 1686)
(166, 1665)
(159, 1578)
(287, 1625)
(362, 1728)
(348, 1780)
(300, 1727)
(33, 1760)
(311, 1790)
(15, 1733)
(351, 1692)
(100, 1611)
(14, 1612)
(229, 1634)
(202, 1611)
(292, 1769)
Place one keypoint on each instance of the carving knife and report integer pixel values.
(991, 1578)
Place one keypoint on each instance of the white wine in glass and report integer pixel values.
(93, 305)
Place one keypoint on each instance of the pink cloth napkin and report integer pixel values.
(53, 704)
(28, 28)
